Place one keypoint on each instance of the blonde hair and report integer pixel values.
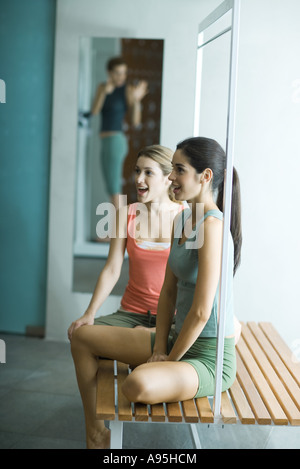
(163, 156)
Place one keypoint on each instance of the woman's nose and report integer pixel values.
(139, 178)
(172, 176)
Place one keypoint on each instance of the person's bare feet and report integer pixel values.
(99, 440)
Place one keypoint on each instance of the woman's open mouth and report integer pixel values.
(142, 190)
(176, 189)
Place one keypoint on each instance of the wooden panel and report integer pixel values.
(278, 365)
(174, 412)
(266, 393)
(144, 59)
(227, 410)
(158, 413)
(269, 373)
(105, 396)
(141, 413)
(259, 409)
(124, 405)
(189, 411)
(241, 404)
(204, 409)
(282, 349)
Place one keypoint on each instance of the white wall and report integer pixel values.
(267, 141)
(268, 161)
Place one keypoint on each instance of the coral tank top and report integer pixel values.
(146, 272)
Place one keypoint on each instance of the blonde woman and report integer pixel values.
(144, 229)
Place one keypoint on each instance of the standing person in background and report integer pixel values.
(113, 99)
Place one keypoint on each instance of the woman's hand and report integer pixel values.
(109, 86)
(158, 357)
(86, 320)
(139, 91)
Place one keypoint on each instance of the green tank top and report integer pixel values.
(183, 261)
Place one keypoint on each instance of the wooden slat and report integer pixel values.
(141, 413)
(278, 365)
(267, 395)
(204, 410)
(174, 412)
(105, 397)
(282, 349)
(190, 411)
(241, 404)
(272, 378)
(259, 409)
(158, 413)
(227, 411)
(124, 405)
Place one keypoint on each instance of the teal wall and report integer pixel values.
(27, 31)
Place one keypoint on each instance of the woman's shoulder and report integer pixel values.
(213, 217)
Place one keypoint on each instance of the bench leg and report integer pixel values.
(116, 434)
(197, 442)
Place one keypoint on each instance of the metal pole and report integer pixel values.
(227, 204)
(226, 30)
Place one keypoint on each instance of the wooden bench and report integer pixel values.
(266, 390)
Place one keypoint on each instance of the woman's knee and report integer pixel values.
(136, 386)
(79, 337)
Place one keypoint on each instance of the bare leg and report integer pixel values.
(88, 342)
(156, 382)
(150, 329)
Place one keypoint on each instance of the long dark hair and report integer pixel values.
(205, 153)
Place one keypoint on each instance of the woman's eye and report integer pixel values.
(148, 173)
(137, 171)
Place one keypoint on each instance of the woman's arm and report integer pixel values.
(165, 310)
(102, 90)
(165, 314)
(209, 265)
(110, 273)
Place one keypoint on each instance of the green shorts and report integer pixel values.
(126, 319)
(202, 356)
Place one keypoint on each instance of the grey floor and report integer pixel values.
(40, 408)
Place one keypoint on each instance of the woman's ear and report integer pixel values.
(206, 175)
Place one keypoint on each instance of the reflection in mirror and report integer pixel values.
(119, 113)
(213, 70)
(215, 118)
